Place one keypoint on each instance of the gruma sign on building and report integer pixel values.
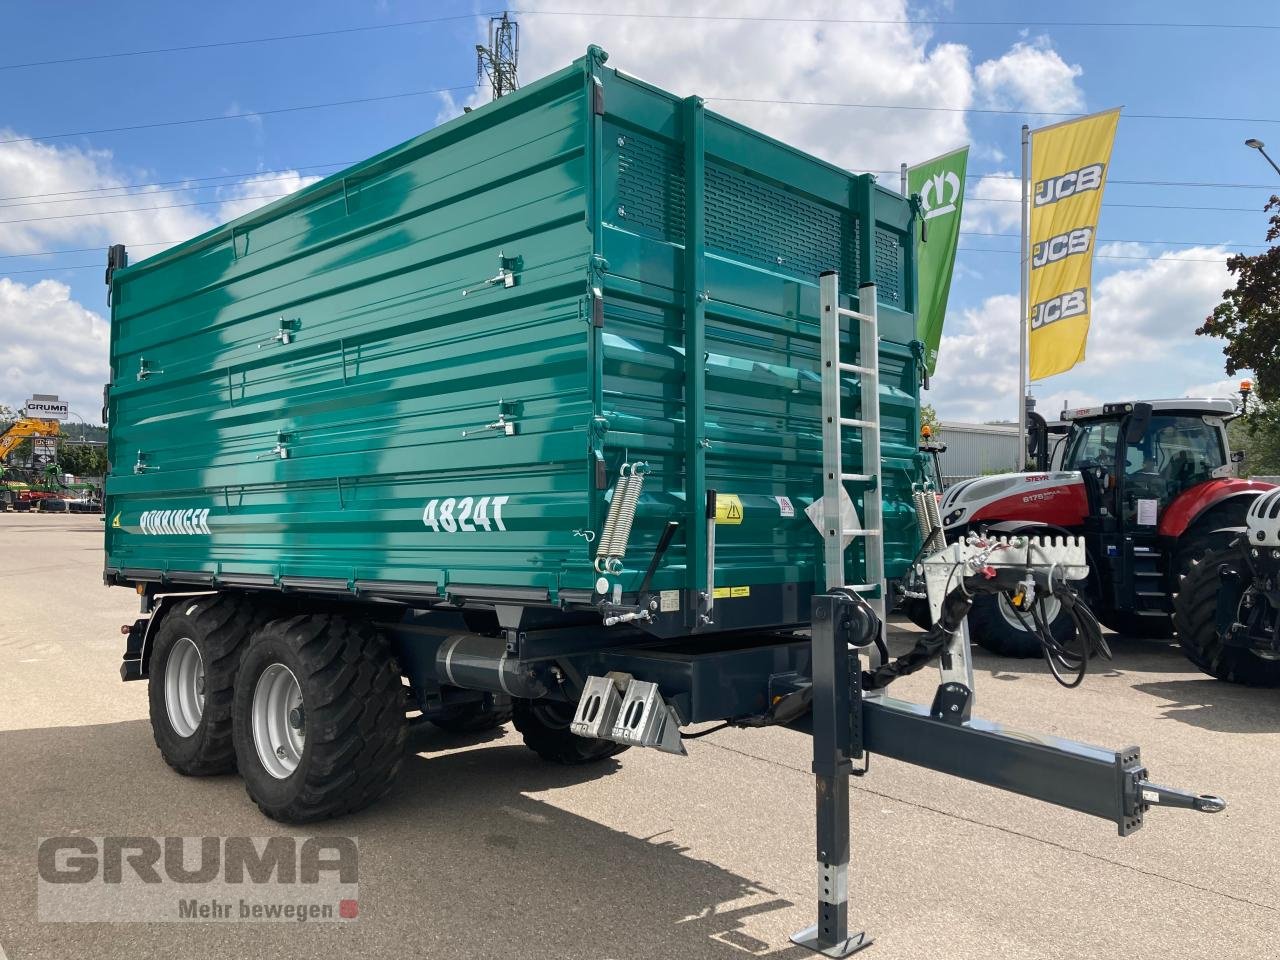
(45, 407)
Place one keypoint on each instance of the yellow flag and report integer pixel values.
(1069, 164)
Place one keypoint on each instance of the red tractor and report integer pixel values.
(1150, 486)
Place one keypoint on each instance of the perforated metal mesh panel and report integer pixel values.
(888, 266)
(770, 226)
(749, 219)
(745, 217)
(650, 186)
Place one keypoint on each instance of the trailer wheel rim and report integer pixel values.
(184, 687)
(1052, 606)
(279, 729)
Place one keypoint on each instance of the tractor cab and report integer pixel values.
(1159, 483)
(1138, 458)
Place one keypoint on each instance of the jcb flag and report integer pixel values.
(1068, 173)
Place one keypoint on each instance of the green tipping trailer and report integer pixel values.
(541, 417)
(419, 377)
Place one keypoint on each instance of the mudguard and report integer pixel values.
(1192, 504)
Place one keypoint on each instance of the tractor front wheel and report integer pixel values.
(1195, 619)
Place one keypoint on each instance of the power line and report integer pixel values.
(922, 21)
(100, 247)
(915, 21)
(81, 266)
(191, 183)
(990, 110)
(271, 196)
(163, 206)
(1106, 256)
(237, 43)
(1132, 206)
(238, 116)
(1172, 243)
(795, 103)
(1100, 256)
(150, 193)
(164, 183)
(1144, 183)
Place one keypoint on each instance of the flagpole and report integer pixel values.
(1024, 280)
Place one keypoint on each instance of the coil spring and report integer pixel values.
(627, 515)
(614, 537)
(604, 546)
(928, 520)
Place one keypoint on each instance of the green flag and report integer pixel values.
(940, 185)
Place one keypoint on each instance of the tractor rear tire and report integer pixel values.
(995, 630)
(491, 713)
(319, 717)
(1195, 616)
(544, 724)
(192, 673)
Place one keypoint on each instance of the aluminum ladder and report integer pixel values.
(834, 474)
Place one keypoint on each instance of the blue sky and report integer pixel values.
(52, 331)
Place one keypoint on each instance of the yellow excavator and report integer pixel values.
(25, 427)
(20, 430)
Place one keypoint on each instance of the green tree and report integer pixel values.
(1248, 319)
(929, 418)
(83, 460)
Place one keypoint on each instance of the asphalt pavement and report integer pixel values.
(484, 851)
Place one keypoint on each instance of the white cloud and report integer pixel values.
(977, 377)
(1142, 343)
(992, 203)
(1152, 311)
(253, 192)
(60, 196)
(1124, 249)
(57, 211)
(52, 344)
(1030, 76)
(843, 62)
(1228, 387)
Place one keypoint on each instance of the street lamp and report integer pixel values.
(1258, 145)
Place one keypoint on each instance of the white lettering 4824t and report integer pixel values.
(464, 514)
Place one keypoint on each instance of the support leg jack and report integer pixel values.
(837, 735)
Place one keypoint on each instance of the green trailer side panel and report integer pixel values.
(399, 375)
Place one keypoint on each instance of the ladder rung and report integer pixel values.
(861, 533)
(862, 586)
(856, 315)
(854, 368)
(857, 477)
(861, 424)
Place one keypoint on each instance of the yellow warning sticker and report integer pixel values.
(728, 508)
(731, 593)
(115, 521)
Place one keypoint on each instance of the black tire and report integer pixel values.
(352, 716)
(989, 629)
(544, 724)
(1195, 615)
(1137, 627)
(218, 627)
(491, 713)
